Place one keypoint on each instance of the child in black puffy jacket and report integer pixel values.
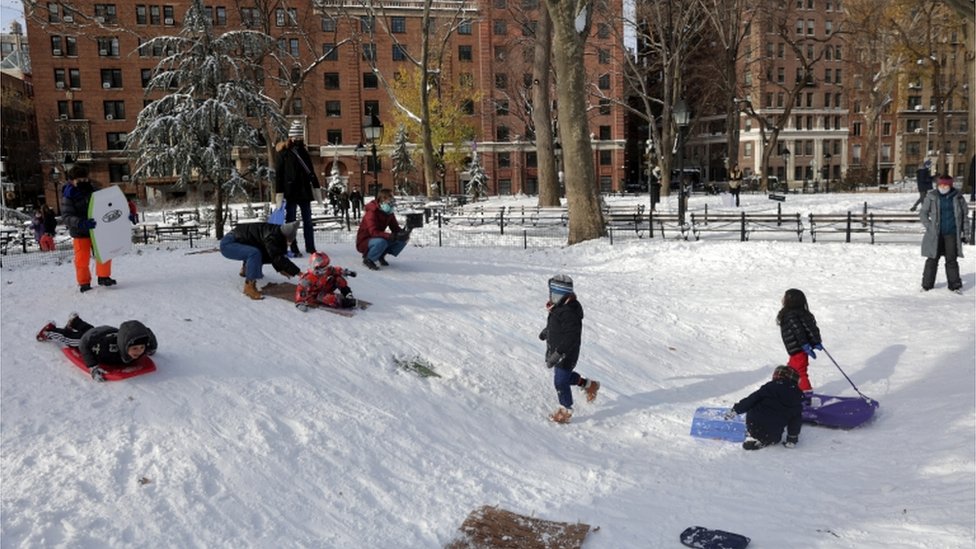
(778, 404)
(103, 346)
(798, 327)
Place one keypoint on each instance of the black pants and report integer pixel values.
(947, 248)
(735, 193)
(921, 197)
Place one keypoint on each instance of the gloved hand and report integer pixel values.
(347, 272)
(87, 224)
(809, 350)
(97, 373)
(279, 198)
(134, 219)
(348, 302)
(302, 307)
(318, 196)
(554, 358)
(544, 334)
(403, 235)
(791, 441)
(730, 415)
(818, 346)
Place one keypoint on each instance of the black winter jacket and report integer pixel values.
(74, 207)
(798, 328)
(292, 179)
(273, 245)
(563, 333)
(776, 405)
(107, 346)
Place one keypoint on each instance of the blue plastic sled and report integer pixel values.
(703, 538)
(708, 423)
(838, 412)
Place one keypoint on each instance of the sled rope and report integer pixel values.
(847, 378)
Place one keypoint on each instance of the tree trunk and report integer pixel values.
(582, 196)
(542, 112)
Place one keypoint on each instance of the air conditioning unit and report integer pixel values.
(125, 178)
(109, 117)
(59, 85)
(106, 85)
(103, 53)
(918, 107)
(63, 117)
(168, 21)
(68, 19)
(56, 51)
(123, 138)
(99, 19)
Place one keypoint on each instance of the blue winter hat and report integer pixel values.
(560, 286)
(928, 163)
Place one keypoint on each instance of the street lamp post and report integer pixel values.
(373, 129)
(681, 117)
(827, 157)
(786, 168)
(361, 155)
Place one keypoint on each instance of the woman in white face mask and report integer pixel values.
(944, 214)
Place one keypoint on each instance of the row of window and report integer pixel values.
(778, 50)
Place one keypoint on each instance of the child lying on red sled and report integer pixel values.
(324, 285)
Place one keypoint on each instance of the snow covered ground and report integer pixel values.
(267, 427)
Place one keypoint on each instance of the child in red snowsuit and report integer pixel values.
(318, 286)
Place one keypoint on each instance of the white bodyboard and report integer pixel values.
(112, 234)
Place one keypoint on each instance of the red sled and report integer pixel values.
(143, 365)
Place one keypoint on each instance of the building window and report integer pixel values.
(398, 25)
(604, 82)
(111, 78)
(603, 31)
(606, 158)
(333, 137)
(399, 52)
(56, 46)
(856, 128)
(604, 106)
(289, 46)
(500, 4)
(114, 110)
(501, 81)
(145, 75)
(504, 160)
(107, 13)
(250, 18)
(333, 108)
(747, 149)
(370, 80)
(464, 28)
(500, 53)
(108, 47)
(501, 133)
(499, 27)
(332, 81)
(605, 133)
(71, 46)
(115, 141)
(501, 107)
(467, 107)
(529, 28)
(330, 52)
(53, 13)
(914, 102)
(465, 53)
(366, 24)
(371, 107)
(118, 173)
(369, 52)
(531, 160)
(74, 78)
(286, 17)
(604, 56)
(466, 80)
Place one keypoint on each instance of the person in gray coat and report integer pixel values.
(944, 215)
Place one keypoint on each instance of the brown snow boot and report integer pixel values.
(251, 290)
(562, 415)
(591, 388)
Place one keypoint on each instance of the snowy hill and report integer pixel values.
(267, 427)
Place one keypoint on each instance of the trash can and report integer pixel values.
(415, 220)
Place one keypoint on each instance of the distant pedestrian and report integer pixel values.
(563, 337)
(944, 214)
(923, 179)
(735, 183)
(356, 202)
(800, 333)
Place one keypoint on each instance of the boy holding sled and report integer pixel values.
(321, 282)
(778, 404)
(562, 334)
(104, 346)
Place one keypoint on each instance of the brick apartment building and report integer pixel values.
(90, 74)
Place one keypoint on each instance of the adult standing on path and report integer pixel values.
(944, 214)
(923, 178)
(74, 213)
(295, 182)
(356, 201)
(735, 183)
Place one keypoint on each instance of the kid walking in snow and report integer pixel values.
(102, 346)
(319, 284)
(778, 404)
(563, 332)
(800, 334)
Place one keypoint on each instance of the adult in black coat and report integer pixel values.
(296, 183)
(257, 244)
(923, 180)
(778, 404)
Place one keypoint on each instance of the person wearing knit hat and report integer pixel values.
(296, 184)
(947, 227)
(775, 406)
(563, 335)
(257, 244)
